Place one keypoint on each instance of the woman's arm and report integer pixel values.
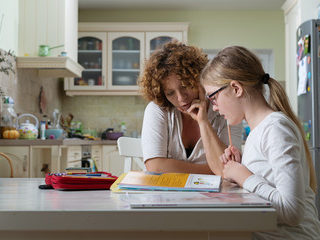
(178, 166)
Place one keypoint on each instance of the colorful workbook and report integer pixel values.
(136, 180)
(196, 199)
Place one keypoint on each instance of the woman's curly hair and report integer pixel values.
(176, 58)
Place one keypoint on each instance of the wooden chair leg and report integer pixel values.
(10, 163)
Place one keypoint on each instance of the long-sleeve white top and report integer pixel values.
(275, 153)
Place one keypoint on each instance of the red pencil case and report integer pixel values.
(89, 181)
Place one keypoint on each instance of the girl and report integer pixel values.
(276, 163)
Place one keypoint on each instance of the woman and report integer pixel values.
(276, 163)
(172, 140)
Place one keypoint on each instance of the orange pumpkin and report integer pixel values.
(11, 134)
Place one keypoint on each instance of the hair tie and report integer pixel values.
(265, 78)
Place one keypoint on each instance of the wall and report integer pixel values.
(24, 88)
(253, 29)
(9, 16)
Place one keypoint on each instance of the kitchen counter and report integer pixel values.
(48, 142)
(26, 212)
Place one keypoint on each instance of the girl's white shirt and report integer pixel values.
(161, 134)
(275, 153)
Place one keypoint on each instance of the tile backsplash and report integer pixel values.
(101, 112)
(24, 88)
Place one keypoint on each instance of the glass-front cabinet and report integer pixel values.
(125, 55)
(155, 40)
(92, 56)
(113, 55)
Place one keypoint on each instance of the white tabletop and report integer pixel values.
(23, 206)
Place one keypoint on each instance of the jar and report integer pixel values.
(8, 118)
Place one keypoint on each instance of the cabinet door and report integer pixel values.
(155, 40)
(112, 161)
(20, 162)
(125, 58)
(96, 156)
(92, 56)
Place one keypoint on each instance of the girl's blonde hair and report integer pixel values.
(238, 63)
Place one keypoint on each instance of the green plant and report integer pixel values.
(7, 62)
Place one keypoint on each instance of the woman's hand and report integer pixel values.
(236, 172)
(198, 108)
(231, 153)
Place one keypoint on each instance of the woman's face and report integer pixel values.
(226, 103)
(179, 96)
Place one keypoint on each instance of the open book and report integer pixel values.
(196, 200)
(136, 180)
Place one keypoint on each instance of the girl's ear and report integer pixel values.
(237, 88)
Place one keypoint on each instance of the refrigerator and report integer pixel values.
(308, 70)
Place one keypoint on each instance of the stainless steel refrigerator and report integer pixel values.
(308, 70)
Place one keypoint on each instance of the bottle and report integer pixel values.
(123, 128)
(43, 130)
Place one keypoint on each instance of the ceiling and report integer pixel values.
(182, 4)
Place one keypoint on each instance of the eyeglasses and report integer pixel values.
(211, 97)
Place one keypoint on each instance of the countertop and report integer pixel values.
(48, 142)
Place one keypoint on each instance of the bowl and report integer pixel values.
(113, 135)
(54, 133)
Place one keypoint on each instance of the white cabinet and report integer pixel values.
(48, 22)
(125, 55)
(96, 155)
(92, 56)
(120, 49)
(154, 40)
(20, 161)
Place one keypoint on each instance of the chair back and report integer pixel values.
(9, 161)
(131, 149)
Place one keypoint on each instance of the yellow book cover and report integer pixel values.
(170, 181)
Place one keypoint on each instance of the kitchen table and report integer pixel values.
(26, 212)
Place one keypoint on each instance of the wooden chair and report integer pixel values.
(131, 149)
(10, 163)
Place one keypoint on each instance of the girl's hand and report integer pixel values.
(231, 153)
(198, 108)
(236, 172)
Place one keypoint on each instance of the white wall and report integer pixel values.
(9, 16)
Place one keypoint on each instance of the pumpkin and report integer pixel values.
(11, 134)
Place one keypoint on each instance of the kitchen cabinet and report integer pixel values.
(20, 161)
(92, 56)
(113, 55)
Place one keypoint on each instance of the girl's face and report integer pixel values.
(226, 102)
(179, 96)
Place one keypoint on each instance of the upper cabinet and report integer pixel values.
(92, 56)
(125, 55)
(113, 55)
(50, 23)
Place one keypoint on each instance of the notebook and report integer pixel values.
(196, 200)
(138, 180)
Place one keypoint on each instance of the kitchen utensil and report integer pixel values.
(27, 130)
(44, 50)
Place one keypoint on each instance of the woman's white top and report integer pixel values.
(161, 134)
(275, 153)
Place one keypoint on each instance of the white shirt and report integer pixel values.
(161, 134)
(275, 153)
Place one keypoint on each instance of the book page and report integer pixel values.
(203, 181)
